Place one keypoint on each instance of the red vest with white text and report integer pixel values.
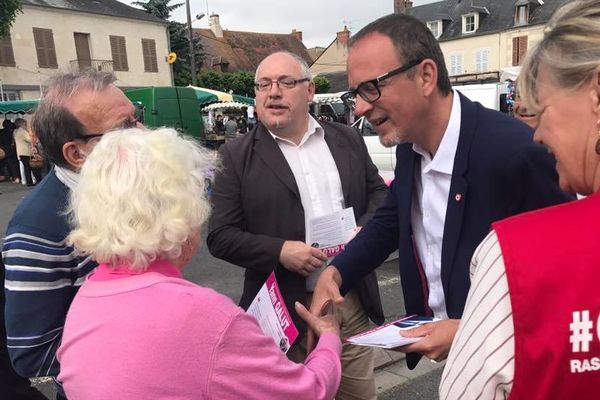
(552, 259)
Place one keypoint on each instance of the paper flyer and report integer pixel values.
(330, 233)
(272, 315)
(388, 336)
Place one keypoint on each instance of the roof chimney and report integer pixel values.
(297, 34)
(215, 25)
(400, 6)
(344, 36)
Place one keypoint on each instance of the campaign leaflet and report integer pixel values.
(388, 335)
(330, 233)
(272, 315)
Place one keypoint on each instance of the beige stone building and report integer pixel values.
(481, 38)
(64, 35)
(333, 59)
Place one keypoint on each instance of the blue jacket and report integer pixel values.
(43, 274)
(498, 172)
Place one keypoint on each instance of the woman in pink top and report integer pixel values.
(137, 329)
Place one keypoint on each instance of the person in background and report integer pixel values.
(219, 125)
(533, 311)
(10, 163)
(460, 167)
(23, 144)
(175, 339)
(231, 128)
(43, 272)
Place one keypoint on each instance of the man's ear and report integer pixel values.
(428, 73)
(311, 90)
(73, 155)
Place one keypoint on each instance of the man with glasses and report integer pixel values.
(459, 167)
(43, 273)
(289, 169)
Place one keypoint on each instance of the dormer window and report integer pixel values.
(436, 28)
(470, 23)
(521, 14)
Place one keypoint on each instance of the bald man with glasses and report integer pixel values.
(459, 167)
(291, 168)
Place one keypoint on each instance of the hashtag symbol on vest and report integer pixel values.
(581, 331)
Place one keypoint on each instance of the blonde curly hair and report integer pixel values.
(141, 196)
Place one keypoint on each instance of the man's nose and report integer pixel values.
(274, 90)
(361, 107)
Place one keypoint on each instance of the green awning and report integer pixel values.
(18, 106)
(207, 96)
(25, 106)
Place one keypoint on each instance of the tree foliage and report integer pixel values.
(180, 44)
(8, 14)
(179, 38)
(241, 82)
(322, 84)
(158, 8)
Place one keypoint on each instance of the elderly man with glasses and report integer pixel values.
(277, 177)
(43, 273)
(459, 167)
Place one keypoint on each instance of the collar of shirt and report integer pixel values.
(69, 178)
(106, 273)
(443, 161)
(313, 128)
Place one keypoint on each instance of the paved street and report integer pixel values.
(227, 279)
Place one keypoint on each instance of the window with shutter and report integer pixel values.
(44, 47)
(149, 52)
(456, 64)
(481, 60)
(519, 49)
(119, 53)
(7, 57)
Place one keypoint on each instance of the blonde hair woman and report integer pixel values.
(532, 321)
(136, 329)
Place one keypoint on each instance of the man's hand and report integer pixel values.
(326, 293)
(437, 339)
(301, 258)
(318, 324)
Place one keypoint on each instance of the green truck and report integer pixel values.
(172, 106)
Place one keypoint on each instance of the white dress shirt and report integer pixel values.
(430, 199)
(66, 176)
(315, 172)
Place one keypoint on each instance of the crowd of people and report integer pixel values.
(21, 160)
(492, 241)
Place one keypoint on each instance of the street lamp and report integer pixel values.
(190, 36)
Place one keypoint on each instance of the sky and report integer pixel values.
(318, 20)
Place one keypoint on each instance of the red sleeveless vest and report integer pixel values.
(552, 259)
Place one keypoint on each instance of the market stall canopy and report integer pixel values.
(323, 98)
(206, 96)
(225, 104)
(18, 106)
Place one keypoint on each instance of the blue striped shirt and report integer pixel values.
(43, 274)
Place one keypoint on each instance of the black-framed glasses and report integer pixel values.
(265, 85)
(87, 138)
(369, 90)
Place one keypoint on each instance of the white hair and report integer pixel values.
(140, 197)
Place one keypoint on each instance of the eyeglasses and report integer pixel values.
(265, 85)
(129, 123)
(87, 138)
(370, 91)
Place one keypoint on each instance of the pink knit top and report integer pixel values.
(154, 335)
